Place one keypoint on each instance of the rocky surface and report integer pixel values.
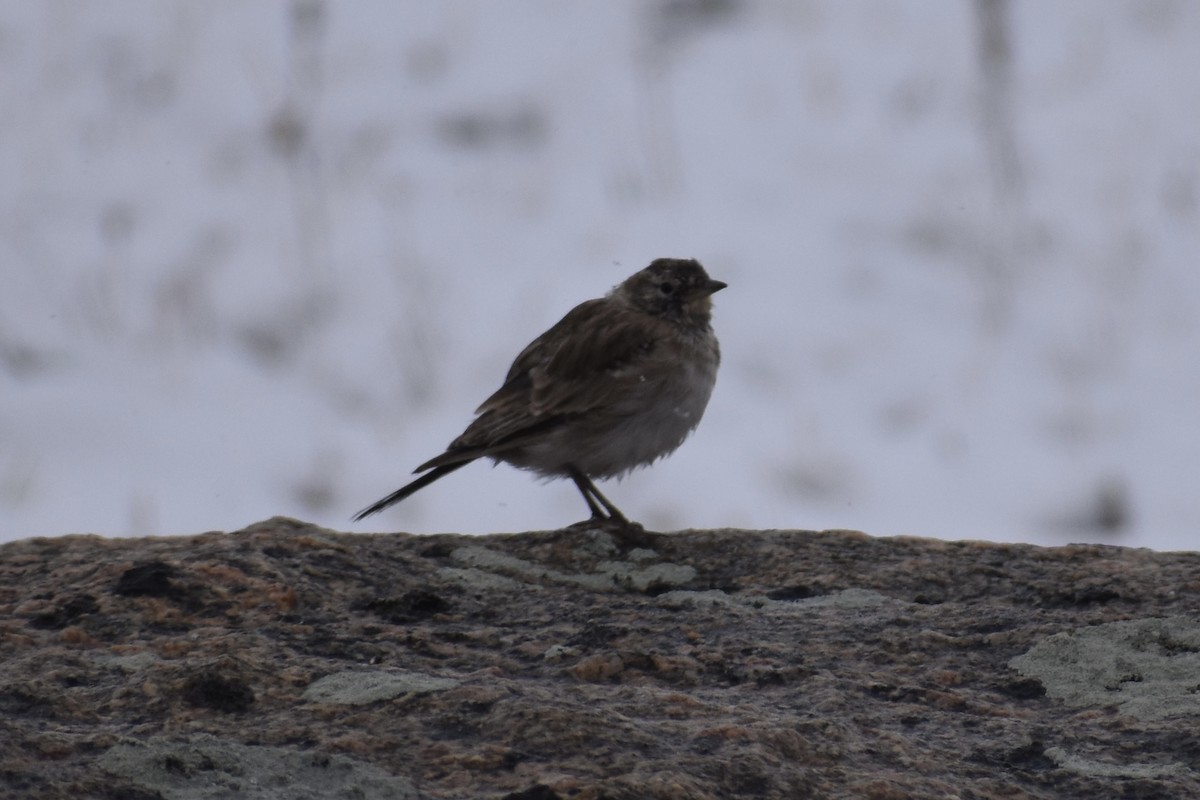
(289, 661)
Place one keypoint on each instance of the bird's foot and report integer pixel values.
(632, 535)
(626, 534)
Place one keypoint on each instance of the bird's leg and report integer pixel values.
(585, 486)
(614, 513)
(593, 496)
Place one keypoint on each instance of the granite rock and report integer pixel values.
(286, 660)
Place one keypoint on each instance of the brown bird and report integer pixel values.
(618, 383)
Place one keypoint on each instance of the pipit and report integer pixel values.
(618, 383)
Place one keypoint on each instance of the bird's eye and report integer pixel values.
(666, 287)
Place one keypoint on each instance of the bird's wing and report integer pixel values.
(579, 365)
(591, 369)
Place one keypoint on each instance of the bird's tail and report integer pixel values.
(405, 491)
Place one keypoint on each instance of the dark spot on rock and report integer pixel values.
(745, 778)
(66, 613)
(596, 635)
(538, 791)
(159, 579)
(453, 727)
(733, 675)
(147, 580)
(771, 677)
(220, 693)
(797, 592)
(990, 626)
(1023, 688)
(1127, 677)
(438, 550)
(898, 694)
(330, 642)
(175, 765)
(1081, 595)
(1168, 645)
(72, 680)
(1029, 757)
(20, 703)
(413, 605)
(123, 792)
(659, 587)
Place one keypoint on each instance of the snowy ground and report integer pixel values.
(264, 258)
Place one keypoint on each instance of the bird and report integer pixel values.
(616, 384)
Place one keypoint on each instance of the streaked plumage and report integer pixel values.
(619, 382)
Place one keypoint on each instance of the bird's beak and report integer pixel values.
(712, 287)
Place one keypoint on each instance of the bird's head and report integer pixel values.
(675, 288)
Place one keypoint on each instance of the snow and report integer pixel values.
(264, 258)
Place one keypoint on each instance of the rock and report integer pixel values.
(361, 687)
(286, 660)
(204, 767)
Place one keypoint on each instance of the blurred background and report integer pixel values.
(265, 258)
